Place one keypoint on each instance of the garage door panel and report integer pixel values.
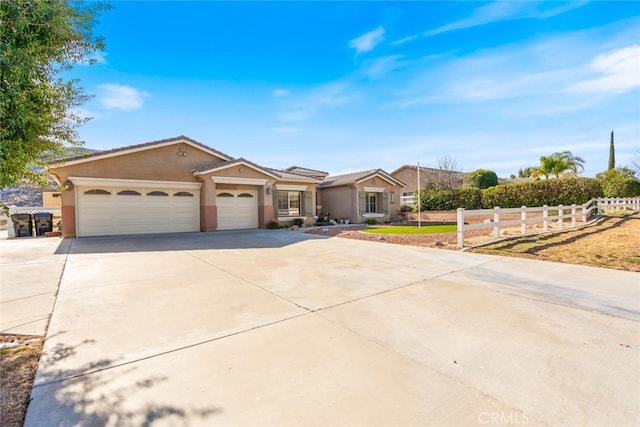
(237, 209)
(137, 211)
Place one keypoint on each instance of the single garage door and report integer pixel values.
(109, 211)
(237, 209)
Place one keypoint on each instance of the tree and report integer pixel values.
(527, 172)
(635, 162)
(612, 154)
(559, 163)
(38, 41)
(481, 178)
(619, 182)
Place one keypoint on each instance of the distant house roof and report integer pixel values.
(138, 147)
(286, 175)
(426, 169)
(356, 177)
(307, 172)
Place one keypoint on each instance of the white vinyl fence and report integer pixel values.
(23, 209)
(557, 217)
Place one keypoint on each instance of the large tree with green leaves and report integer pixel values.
(39, 40)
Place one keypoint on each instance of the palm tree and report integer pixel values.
(558, 163)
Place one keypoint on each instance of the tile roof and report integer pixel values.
(292, 168)
(139, 146)
(240, 160)
(291, 176)
(423, 168)
(354, 177)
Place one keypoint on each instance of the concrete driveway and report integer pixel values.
(281, 328)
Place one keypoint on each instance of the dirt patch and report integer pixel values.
(441, 240)
(19, 356)
(612, 242)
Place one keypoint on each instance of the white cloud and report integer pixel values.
(379, 67)
(500, 11)
(368, 41)
(121, 97)
(280, 92)
(619, 70)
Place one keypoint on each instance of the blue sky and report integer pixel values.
(346, 86)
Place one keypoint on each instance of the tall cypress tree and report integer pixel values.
(612, 154)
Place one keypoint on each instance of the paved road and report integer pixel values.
(280, 328)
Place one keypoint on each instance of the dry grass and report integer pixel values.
(613, 242)
(19, 356)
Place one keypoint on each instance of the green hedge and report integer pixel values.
(444, 200)
(551, 192)
(621, 188)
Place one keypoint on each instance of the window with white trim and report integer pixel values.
(372, 203)
(288, 203)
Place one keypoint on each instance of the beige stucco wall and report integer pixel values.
(51, 199)
(160, 164)
(339, 202)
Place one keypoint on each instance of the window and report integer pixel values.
(183, 194)
(245, 195)
(128, 193)
(225, 195)
(288, 203)
(96, 191)
(372, 202)
(157, 193)
(408, 198)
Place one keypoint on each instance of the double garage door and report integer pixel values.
(237, 209)
(118, 210)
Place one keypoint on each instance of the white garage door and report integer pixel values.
(237, 209)
(108, 211)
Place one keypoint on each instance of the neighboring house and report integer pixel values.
(360, 195)
(409, 175)
(176, 185)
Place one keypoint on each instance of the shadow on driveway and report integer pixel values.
(240, 239)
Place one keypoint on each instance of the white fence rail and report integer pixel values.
(22, 209)
(547, 216)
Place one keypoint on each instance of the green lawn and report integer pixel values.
(412, 229)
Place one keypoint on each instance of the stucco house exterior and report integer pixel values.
(176, 185)
(360, 195)
(409, 175)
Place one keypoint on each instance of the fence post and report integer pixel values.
(573, 215)
(545, 216)
(460, 220)
(523, 219)
(560, 216)
(496, 221)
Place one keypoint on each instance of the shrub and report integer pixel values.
(298, 222)
(273, 225)
(371, 221)
(619, 182)
(566, 191)
(621, 188)
(481, 178)
(444, 200)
